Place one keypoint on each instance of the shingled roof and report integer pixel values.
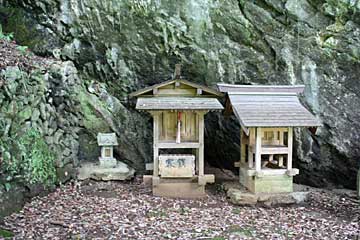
(178, 94)
(268, 106)
(178, 103)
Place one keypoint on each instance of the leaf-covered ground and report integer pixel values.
(12, 54)
(116, 210)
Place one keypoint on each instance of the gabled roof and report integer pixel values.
(232, 88)
(268, 106)
(182, 81)
(178, 103)
(107, 139)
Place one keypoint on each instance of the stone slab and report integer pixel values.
(185, 190)
(240, 196)
(94, 171)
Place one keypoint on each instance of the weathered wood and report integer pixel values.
(176, 92)
(155, 148)
(251, 146)
(281, 161)
(176, 165)
(162, 145)
(223, 87)
(177, 72)
(242, 147)
(290, 148)
(271, 172)
(201, 142)
(178, 103)
(274, 150)
(206, 90)
(270, 111)
(258, 150)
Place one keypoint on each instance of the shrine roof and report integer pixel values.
(178, 103)
(107, 139)
(268, 106)
(149, 90)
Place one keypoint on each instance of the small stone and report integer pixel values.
(25, 114)
(238, 197)
(35, 115)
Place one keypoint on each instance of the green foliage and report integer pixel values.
(6, 37)
(5, 233)
(22, 49)
(342, 10)
(28, 158)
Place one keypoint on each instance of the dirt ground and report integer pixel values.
(115, 210)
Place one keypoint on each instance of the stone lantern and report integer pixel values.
(107, 141)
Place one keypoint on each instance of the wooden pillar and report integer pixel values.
(155, 146)
(251, 147)
(242, 146)
(290, 148)
(201, 143)
(281, 142)
(258, 149)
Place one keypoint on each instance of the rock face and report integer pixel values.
(120, 46)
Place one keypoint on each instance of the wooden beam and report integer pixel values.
(290, 148)
(274, 150)
(177, 72)
(178, 145)
(273, 172)
(258, 150)
(155, 148)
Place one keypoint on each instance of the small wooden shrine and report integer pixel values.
(267, 115)
(178, 108)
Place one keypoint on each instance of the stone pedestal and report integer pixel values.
(107, 162)
(94, 171)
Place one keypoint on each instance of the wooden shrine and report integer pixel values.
(178, 108)
(267, 115)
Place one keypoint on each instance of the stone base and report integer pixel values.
(177, 188)
(107, 162)
(277, 183)
(121, 172)
(238, 195)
